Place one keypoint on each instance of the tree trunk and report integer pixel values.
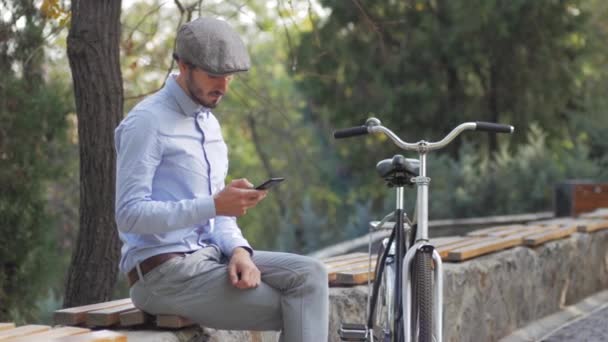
(93, 52)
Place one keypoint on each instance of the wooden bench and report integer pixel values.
(116, 313)
(344, 270)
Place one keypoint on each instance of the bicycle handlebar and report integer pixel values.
(493, 127)
(373, 125)
(350, 132)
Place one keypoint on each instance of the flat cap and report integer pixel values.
(212, 45)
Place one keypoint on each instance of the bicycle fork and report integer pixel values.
(422, 245)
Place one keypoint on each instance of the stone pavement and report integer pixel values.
(586, 321)
(593, 327)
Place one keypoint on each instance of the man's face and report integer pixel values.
(206, 89)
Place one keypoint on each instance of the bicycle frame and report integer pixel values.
(405, 259)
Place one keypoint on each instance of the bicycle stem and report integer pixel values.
(422, 201)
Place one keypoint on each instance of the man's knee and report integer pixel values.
(315, 270)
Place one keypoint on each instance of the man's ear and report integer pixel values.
(183, 67)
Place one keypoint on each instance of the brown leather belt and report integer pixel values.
(149, 264)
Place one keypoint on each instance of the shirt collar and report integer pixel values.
(188, 107)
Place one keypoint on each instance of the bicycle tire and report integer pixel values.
(423, 277)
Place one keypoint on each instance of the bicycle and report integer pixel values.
(406, 261)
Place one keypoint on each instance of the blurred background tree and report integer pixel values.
(33, 136)
(421, 66)
(425, 66)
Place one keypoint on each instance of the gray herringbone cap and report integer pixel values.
(213, 46)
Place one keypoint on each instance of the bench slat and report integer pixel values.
(133, 317)
(22, 331)
(601, 213)
(97, 336)
(6, 326)
(332, 276)
(350, 261)
(445, 249)
(354, 278)
(172, 321)
(592, 226)
(474, 250)
(77, 315)
(530, 230)
(562, 221)
(45, 336)
(496, 230)
(550, 235)
(343, 257)
(446, 241)
(107, 317)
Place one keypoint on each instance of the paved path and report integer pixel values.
(586, 321)
(591, 328)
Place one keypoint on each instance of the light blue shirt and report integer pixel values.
(171, 160)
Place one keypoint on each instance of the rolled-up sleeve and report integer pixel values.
(139, 151)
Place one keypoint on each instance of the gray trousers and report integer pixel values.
(292, 297)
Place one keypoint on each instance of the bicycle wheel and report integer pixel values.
(423, 293)
(383, 327)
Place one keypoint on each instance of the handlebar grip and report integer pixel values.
(350, 132)
(493, 127)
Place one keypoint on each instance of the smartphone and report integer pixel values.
(269, 183)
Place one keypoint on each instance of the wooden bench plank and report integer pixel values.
(77, 315)
(354, 278)
(448, 240)
(337, 264)
(445, 249)
(526, 230)
(517, 230)
(343, 257)
(562, 221)
(22, 331)
(96, 336)
(133, 317)
(601, 213)
(474, 250)
(549, 235)
(529, 230)
(47, 335)
(495, 230)
(593, 226)
(6, 326)
(364, 265)
(107, 317)
(172, 321)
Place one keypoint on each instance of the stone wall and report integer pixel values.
(488, 297)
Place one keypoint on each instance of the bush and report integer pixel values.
(518, 182)
(32, 136)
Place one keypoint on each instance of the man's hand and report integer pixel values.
(243, 273)
(236, 198)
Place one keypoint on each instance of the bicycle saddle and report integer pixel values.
(398, 169)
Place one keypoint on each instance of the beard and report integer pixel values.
(197, 94)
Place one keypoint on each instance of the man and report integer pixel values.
(182, 249)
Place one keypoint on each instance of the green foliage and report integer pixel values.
(423, 67)
(33, 129)
(517, 182)
(32, 145)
